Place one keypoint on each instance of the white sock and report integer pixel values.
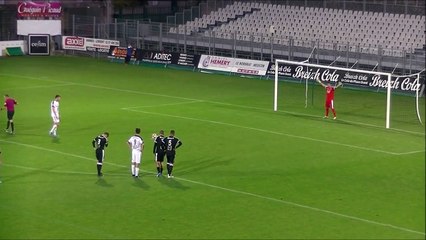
(133, 169)
(137, 171)
(53, 128)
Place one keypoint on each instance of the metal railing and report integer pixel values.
(157, 36)
(415, 7)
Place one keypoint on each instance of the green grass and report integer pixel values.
(243, 172)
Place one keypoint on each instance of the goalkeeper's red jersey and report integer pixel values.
(330, 93)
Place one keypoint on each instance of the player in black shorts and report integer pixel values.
(159, 152)
(99, 143)
(171, 143)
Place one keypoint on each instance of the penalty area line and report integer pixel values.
(41, 86)
(304, 206)
(207, 101)
(268, 131)
(59, 171)
(163, 105)
(237, 191)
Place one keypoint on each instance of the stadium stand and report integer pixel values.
(334, 28)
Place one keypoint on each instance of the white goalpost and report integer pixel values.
(308, 76)
(417, 92)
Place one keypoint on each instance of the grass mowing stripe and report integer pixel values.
(235, 191)
(271, 132)
(59, 221)
(214, 102)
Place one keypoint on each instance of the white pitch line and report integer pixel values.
(40, 169)
(241, 106)
(59, 171)
(304, 206)
(238, 192)
(214, 102)
(271, 132)
(55, 151)
(165, 104)
(40, 86)
(33, 78)
(412, 152)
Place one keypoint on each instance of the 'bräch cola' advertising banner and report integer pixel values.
(406, 83)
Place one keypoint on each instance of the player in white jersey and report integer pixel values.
(136, 144)
(54, 113)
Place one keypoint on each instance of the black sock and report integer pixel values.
(169, 169)
(158, 169)
(99, 169)
(13, 126)
(8, 124)
(161, 169)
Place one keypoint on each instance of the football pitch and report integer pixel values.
(243, 171)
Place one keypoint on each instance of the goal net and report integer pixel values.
(407, 91)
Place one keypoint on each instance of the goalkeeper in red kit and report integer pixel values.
(329, 99)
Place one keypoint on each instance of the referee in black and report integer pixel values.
(171, 143)
(99, 143)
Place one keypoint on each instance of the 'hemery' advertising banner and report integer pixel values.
(234, 65)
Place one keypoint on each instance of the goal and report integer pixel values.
(331, 74)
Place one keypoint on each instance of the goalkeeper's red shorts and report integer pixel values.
(329, 104)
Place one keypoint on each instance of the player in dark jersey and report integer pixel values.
(159, 152)
(171, 143)
(9, 104)
(99, 143)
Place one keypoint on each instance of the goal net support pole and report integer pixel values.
(388, 76)
(418, 91)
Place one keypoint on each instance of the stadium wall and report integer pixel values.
(8, 44)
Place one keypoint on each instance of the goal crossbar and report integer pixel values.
(388, 75)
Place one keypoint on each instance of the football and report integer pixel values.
(154, 136)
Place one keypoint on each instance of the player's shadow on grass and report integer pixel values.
(28, 173)
(103, 183)
(138, 182)
(299, 115)
(56, 140)
(206, 163)
(13, 178)
(173, 183)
